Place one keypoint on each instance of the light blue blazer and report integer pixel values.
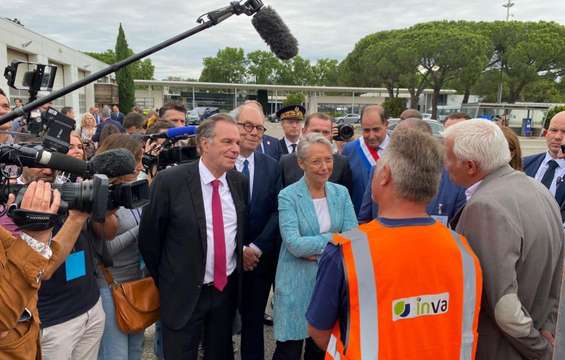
(301, 238)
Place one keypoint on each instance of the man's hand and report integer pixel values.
(250, 258)
(39, 197)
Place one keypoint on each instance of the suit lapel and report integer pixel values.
(198, 201)
(536, 163)
(306, 207)
(258, 175)
(333, 206)
(284, 149)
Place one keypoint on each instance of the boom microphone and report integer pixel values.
(174, 132)
(276, 34)
(115, 162)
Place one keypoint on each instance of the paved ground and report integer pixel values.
(529, 146)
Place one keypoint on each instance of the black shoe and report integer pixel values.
(268, 320)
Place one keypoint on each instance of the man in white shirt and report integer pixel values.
(191, 238)
(548, 167)
(291, 118)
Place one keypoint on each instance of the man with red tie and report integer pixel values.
(191, 236)
(364, 152)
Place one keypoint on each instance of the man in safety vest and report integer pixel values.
(402, 286)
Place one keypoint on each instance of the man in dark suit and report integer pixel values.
(364, 152)
(191, 238)
(270, 146)
(444, 205)
(260, 244)
(291, 118)
(549, 167)
(291, 172)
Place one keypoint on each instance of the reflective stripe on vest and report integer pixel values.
(362, 338)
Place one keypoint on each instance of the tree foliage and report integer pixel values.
(141, 70)
(294, 99)
(124, 77)
(228, 66)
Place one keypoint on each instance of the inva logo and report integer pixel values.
(423, 305)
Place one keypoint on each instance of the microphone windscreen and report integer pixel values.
(275, 33)
(112, 163)
(183, 130)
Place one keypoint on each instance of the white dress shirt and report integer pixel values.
(323, 214)
(251, 166)
(230, 221)
(289, 145)
(382, 147)
(559, 172)
(471, 189)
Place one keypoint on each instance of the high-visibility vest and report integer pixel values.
(414, 292)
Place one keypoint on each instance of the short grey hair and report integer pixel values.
(237, 111)
(207, 128)
(308, 140)
(481, 141)
(415, 160)
(106, 112)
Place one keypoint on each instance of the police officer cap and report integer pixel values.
(291, 112)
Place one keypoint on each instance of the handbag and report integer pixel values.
(136, 302)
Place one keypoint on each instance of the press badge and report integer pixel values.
(75, 265)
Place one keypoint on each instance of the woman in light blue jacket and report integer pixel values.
(309, 212)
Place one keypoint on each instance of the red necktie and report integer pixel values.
(374, 152)
(220, 277)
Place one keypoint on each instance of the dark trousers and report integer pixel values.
(292, 350)
(256, 287)
(212, 318)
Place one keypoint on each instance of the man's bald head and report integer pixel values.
(247, 110)
(411, 113)
(414, 123)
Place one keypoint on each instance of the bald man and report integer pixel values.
(548, 167)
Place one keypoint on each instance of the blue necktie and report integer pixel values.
(245, 170)
(549, 173)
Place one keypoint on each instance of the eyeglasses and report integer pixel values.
(249, 127)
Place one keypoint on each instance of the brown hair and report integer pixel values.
(207, 128)
(514, 147)
(319, 115)
(122, 141)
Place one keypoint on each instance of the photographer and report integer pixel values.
(27, 260)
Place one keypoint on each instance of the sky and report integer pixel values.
(324, 29)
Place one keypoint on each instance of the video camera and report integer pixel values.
(344, 132)
(95, 196)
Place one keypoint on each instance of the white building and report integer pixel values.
(17, 42)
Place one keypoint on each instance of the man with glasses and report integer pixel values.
(291, 118)
(261, 241)
(341, 173)
(366, 150)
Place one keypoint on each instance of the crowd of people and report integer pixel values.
(393, 245)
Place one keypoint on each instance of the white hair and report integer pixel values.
(481, 141)
(308, 140)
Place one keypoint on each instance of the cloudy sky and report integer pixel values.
(327, 28)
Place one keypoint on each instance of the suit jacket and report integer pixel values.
(271, 147)
(531, 165)
(513, 224)
(301, 237)
(360, 170)
(448, 200)
(173, 241)
(284, 149)
(263, 219)
(291, 171)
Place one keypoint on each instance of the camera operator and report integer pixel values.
(153, 146)
(26, 260)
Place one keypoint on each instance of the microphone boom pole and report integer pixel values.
(249, 7)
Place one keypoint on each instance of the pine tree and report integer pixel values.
(126, 88)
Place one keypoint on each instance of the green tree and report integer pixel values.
(296, 71)
(325, 72)
(141, 70)
(294, 99)
(262, 67)
(550, 114)
(394, 106)
(124, 78)
(228, 66)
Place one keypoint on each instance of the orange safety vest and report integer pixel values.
(414, 293)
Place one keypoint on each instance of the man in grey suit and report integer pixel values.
(291, 172)
(513, 224)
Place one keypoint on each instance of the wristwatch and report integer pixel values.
(38, 246)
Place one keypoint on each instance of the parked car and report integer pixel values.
(437, 127)
(192, 117)
(348, 119)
